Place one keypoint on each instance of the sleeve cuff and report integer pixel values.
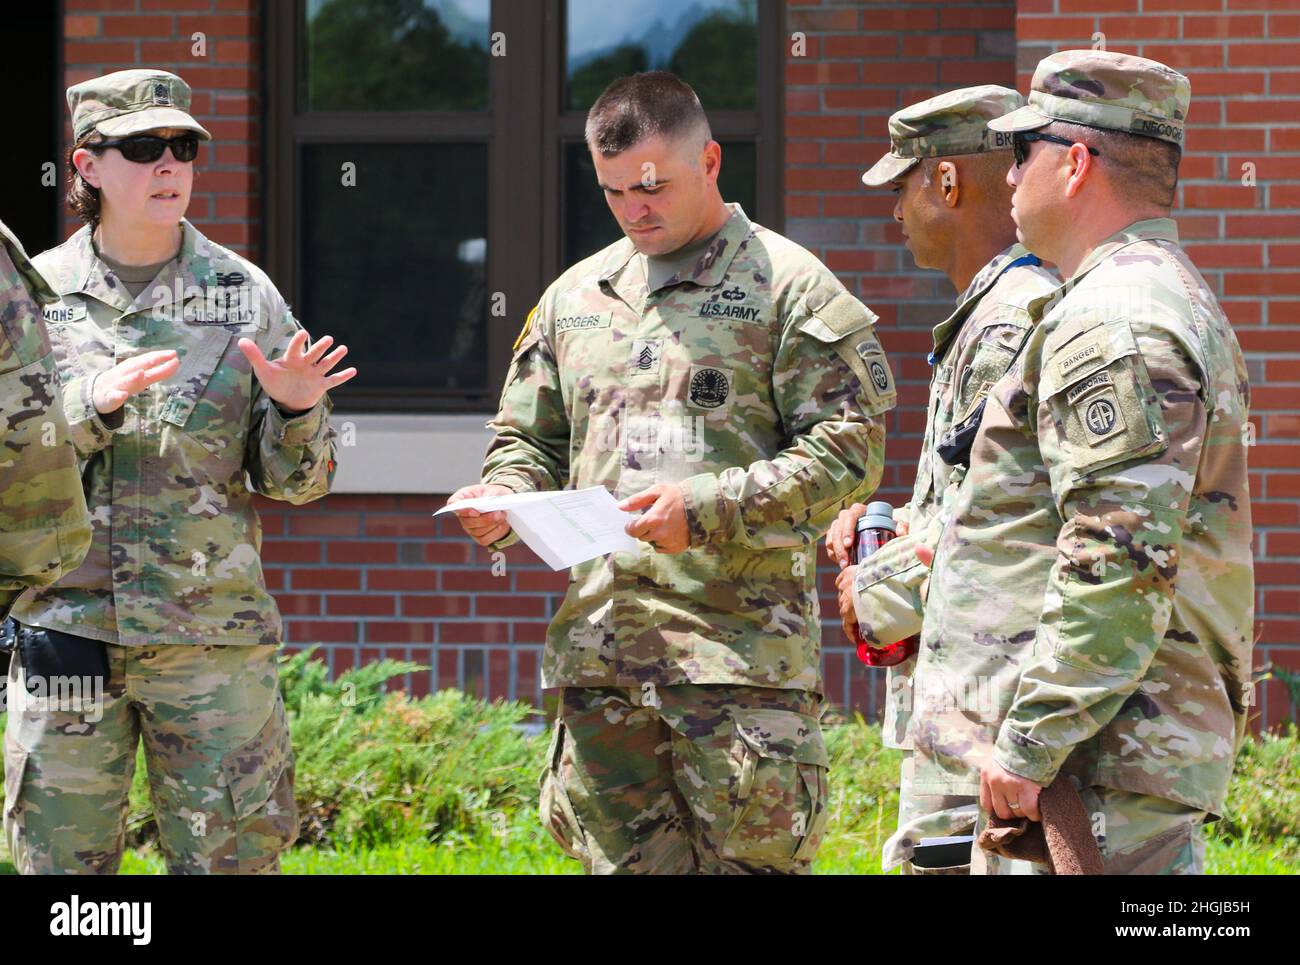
(1026, 757)
(296, 430)
(79, 408)
(512, 481)
(887, 593)
(706, 515)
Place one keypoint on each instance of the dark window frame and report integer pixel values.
(524, 120)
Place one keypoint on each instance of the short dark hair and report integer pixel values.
(83, 198)
(1145, 169)
(644, 105)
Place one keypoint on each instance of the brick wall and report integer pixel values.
(1243, 58)
(106, 35)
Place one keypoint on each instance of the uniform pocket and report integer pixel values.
(554, 807)
(260, 775)
(209, 400)
(15, 769)
(780, 790)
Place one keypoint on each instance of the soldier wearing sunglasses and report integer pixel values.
(188, 386)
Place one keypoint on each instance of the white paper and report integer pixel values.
(563, 528)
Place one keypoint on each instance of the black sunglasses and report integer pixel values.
(1021, 139)
(146, 148)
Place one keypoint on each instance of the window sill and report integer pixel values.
(411, 454)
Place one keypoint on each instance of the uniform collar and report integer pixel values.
(979, 286)
(1152, 229)
(709, 270)
(95, 279)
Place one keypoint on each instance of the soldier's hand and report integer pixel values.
(113, 387)
(848, 615)
(1000, 789)
(663, 524)
(843, 532)
(483, 528)
(924, 554)
(299, 377)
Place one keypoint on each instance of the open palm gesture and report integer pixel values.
(299, 377)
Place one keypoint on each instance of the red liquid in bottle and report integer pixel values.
(875, 529)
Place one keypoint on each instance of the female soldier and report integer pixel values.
(162, 340)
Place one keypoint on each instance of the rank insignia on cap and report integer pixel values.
(161, 95)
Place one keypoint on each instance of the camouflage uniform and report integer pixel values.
(753, 380)
(972, 349)
(1111, 457)
(173, 582)
(44, 529)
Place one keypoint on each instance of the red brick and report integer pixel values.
(803, 205)
(545, 581)
(422, 579)
(321, 631)
(820, 21)
(803, 101)
(1269, 111)
(176, 5)
(1284, 486)
(1284, 196)
(398, 631)
(99, 52)
(1225, 139)
(236, 206)
(1263, 226)
(1284, 256)
(941, 45)
(823, 126)
(326, 579)
(1097, 6)
(972, 72)
(230, 51)
(861, 99)
(1227, 256)
(339, 524)
(490, 631)
(1219, 196)
(225, 25)
(444, 605)
(965, 18)
(517, 605)
(362, 551)
(1126, 29)
(298, 604)
(803, 152)
(1261, 55)
(291, 551)
(1187, 55)
(525, 632)
(858, 46)
(1283, 26)
(1182, 6)
(821, 72)
(360, 604)
(1263, 339)
(80, 26)
(1263, 283)
(1223, 26)
(823, 179)
(1285, 139)
(1211, 83)
(1283, 82)
(136, 26)
(919, 72)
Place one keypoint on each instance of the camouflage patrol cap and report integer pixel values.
(952, 123)
(1107, 90)
(131, 101)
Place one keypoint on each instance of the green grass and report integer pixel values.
(446, 784)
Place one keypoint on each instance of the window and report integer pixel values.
(427, 176)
